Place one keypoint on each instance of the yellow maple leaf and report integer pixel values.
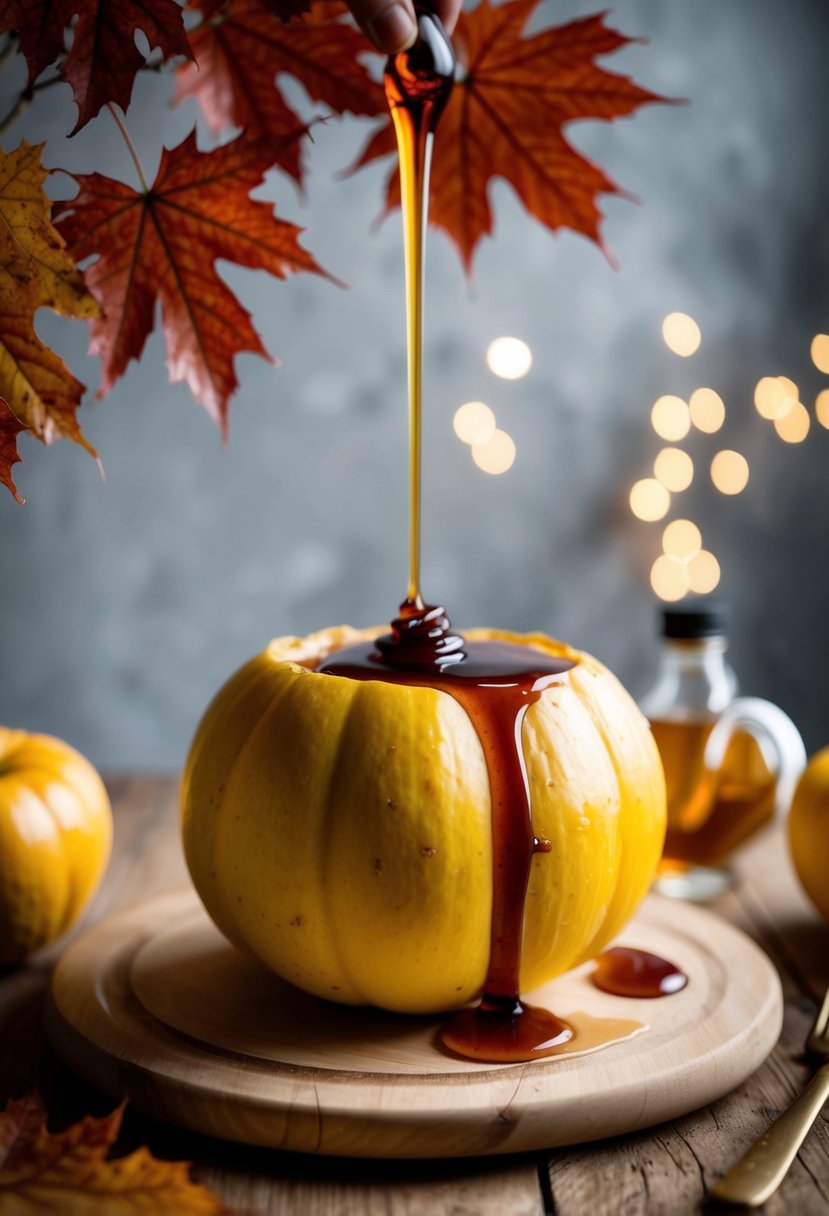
(35, 382)
(10, 428)
(36, 271)
(32, 251)
(67, 1173)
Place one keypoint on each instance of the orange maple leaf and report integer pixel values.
(242, 45)
(505, 118)
(10, 428)
(68, 1174)
(162, 244)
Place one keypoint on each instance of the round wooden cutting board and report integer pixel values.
(154, 1004)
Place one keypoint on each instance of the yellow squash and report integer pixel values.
(340, 830)
(55, 838)
(809, 830)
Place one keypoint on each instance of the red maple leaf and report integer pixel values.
(10, 428)
(505, 119)
(286, 10)
(103, 59)
(241, 47)
(162, 244)
(40, 26)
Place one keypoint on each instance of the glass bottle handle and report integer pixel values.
(766, 722)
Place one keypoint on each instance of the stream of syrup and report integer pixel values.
(494, 682)
(418, 83)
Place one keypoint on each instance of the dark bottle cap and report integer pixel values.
(701, 618)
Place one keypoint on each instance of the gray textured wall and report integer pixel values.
(124, 605)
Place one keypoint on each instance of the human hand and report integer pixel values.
(390, 24)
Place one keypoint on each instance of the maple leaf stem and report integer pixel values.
(133, 151)
(25, 100)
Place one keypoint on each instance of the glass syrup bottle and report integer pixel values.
(730, 762)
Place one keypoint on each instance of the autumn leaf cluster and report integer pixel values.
(146, 243)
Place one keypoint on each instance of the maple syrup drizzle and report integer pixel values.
(494, 682)
(624, 971)
(418, 82)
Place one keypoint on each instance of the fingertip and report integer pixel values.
(393, 29)
(448, 11)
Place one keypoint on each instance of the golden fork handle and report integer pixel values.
(760, 1171)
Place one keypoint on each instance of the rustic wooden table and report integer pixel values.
(663, 1171)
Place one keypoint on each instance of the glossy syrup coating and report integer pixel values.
(495, 683)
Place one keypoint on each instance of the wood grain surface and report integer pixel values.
(659, 1172)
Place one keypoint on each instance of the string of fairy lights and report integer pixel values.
(684, 566)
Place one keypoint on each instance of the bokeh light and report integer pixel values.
(729, 472)
(474, 422)
(682, 540)
(703, 572)
(793, 427)
(496, 454)
(670, 418)
(822, 407)
(774, 396)
(674, 468)
(681, 333)
(669, 578)
(707, 410)
(820, 352)
(509, 358)
(649, 500)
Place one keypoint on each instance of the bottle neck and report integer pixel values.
(694, 679)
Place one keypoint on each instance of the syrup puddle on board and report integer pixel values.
(521, 1039)
(623, 971)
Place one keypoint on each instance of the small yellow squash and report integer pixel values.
(340, 830)
(809, 830)
(55, 838)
